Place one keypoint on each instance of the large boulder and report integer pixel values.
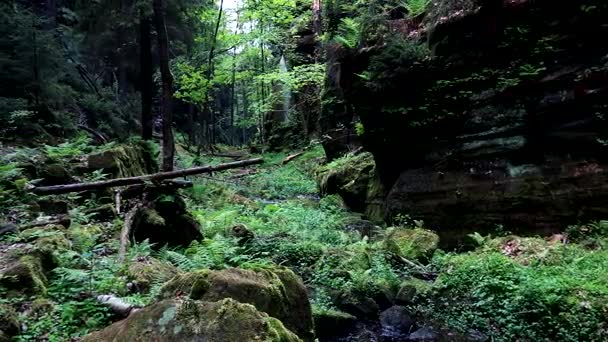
(124, 161)
(415, 244)
(143, 272)
(354, 178)
(276, 291)
(188, 320)
(24, 269)
(165, 221)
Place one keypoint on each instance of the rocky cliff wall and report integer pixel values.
(501, 120)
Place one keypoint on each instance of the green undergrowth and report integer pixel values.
(513, 287)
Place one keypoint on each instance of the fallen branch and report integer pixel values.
(138, 189)
(157, 177)
(102, 139)
(292, 157)
(126, 232)
(63, 220)
(118, 305)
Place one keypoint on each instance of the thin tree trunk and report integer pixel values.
(210, 68)
(146, 77)
(167, 80)
(233, 101)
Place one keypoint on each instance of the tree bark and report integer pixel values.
(64, 189)
(146, 77)
(167, 81)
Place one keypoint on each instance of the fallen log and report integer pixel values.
(292, 157)
(157, 177)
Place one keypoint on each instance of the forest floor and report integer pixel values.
(272, 214)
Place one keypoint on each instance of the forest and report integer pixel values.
(303, 170)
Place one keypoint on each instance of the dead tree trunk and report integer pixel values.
(67, 188)
(167, 80)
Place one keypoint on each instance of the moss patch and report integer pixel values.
(276, 291)
(190, 320)
(417, 244)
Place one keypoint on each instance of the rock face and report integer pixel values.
(277, 292)
(502, 122)
(188, 320)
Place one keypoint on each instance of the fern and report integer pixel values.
(415, 7)
(349, 32)
(179, 260)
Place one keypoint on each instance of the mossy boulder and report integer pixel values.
(123, 161)
(416, 244)
(355, 179)
(331, 323)
(166, 221)
(53, 206)
(349, 177)
(9, 323)
(147, 271)
(24, 269)
(103, 213)
(54, 174)
(48, 239)
(276, 291)
(189, 320)
(411, 290)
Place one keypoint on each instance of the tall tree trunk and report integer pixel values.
(167, 80)
(146, 77)
(234, 106)
(210, 68)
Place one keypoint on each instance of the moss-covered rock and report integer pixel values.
(103, 213)
(411, 290)
(349, 177)
(9, 323)
(188, 320)
(54, 174)
(48, 239)
(123, 161)
(84, 236)
(331, 323)
(24, 269)
(145, 272)
(417, 243)
(276, 291)
(166, 221)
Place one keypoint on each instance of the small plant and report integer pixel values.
(415, 7)
(349, 32)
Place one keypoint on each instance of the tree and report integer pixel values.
(146, 79)
(167, 86)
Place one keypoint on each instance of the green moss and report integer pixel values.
(417, 244)
(25, 274)
(413, 289)
(150, 271)
(9, 322)
(84, 237)
(173, 320)
(152, 216)
(52, 244)
(192, 284)
(123, 161)
(274, 290)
